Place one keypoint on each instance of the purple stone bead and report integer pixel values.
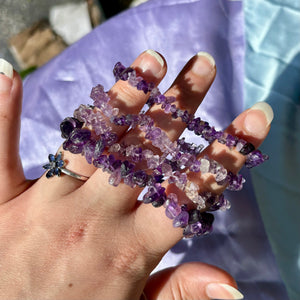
(116, 164)
(68, 125)
(68, 145)
(88, 150)
(194, 215)
(143, 86)
(153, 194)
(247, 148)
(120, 121)
(126, 168)
(140, 178)
(186, 117)
(99, 148)
(235, 182)
(101, 162)
(110, 138)
(99, 96)
(115, 178)
(181, 220)
(121, 73)
(118, 70)
(255, 158)
(240, 144)
(200, 126)
(215, 202)
(207, 220)
(231, 141)
(192, 230)
(195, 167)
(209, 134)
(172, 210)
(80, 137)
(159, 202)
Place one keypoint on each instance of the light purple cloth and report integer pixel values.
(178, 30)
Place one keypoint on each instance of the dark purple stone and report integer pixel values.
(101, 162)
(120, 72)
(215, 202)
(194, 215)
(247, 148)
(68, 125)
(159, 202)
(143, 86)
(235, 181)
(140, 178)
(70, 146)
(80, 137)
(206, 220)
(209, 133)
(231, 141)
(186, 117)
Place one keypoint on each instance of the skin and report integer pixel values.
(68, 239)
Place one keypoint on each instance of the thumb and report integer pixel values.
(12, 178)
(191, 281)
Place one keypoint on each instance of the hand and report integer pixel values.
(67, 239)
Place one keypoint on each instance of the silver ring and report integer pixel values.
(72, 174)
(56, 166)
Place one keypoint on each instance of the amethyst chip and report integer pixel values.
(68, 125)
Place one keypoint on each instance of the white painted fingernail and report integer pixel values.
(258, 119)
(204, 65)
(222, 291)
(266, 109)
(6, 68)
(156, 56)
(208, 56)
(154, 63)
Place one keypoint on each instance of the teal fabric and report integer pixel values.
(272, 73)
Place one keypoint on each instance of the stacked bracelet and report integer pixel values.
(90, 133)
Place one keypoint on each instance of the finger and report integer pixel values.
(128, 100)
(189, 88)
(253, 126)
(195, 280)
(12, 179)
(156, 229)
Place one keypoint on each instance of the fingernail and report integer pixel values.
(151, 61)
(222, 291)
(204, 65)
(258, 118)
(6, 69)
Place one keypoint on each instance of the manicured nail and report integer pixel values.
(266, 109)
(222, 291)
(258, 119)
(204, 65)
(6, 68)
(151, 61)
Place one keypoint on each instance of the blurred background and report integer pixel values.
(34, 31)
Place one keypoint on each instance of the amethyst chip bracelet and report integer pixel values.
(89, 132)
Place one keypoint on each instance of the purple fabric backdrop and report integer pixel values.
(178, 30)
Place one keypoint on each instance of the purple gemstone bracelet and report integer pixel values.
(89, 132)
